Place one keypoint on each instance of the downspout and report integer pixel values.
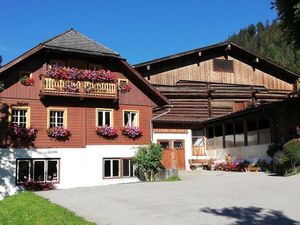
(151, 121)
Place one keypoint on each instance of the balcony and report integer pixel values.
(76, 88)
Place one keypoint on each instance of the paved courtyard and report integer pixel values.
(202, 197)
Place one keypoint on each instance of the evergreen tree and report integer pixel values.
(268, 40)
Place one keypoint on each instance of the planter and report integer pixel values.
(132, 132)
(59, 133)
(107, 132)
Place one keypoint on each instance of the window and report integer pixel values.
(223, 65)
(56, 63)
(239, 133)
(264, 131)
(178, 144)
(229, 135)
(20, 116)
(131, 118)
(57, 117)
(198, 137)
(218, 136)
(118, 168)
(37, 170)
(252, 132)
(127, 168)
(25, 74)
(122, 81)
(95, 67)
(164, 144)
(104, 117)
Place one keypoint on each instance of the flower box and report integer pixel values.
(27, 81)
(107, 132)
(25, 134)
(64, 73)
(59, 133)
(132, 132)
(124, 87)
(31, 185)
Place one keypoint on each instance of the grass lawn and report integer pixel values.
(27, 208)
(173, 178)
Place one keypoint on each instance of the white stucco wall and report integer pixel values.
(79, 167)
(187, 137)
(241, 153)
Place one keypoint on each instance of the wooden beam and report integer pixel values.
(228, 47)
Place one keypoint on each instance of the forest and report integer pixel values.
(267, 39)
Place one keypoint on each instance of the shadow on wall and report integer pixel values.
(252, 215)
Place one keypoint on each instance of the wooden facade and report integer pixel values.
(205, 72)
(215, 81)
(80, 108)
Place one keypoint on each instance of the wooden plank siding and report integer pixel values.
(203, 71)
(81, 112)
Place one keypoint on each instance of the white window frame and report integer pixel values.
(111, 168)
(130, 113)
(103, 120)
(130, 162)
(27, 115)
(18, 166)
(32, 168)
(64, 110)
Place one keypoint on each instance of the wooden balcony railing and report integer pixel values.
(51, 86)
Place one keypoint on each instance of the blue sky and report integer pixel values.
(139, 30)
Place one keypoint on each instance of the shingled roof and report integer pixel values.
(71, 40)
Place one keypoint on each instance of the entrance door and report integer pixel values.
(174, 154)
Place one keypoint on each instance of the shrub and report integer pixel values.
(38, 185)
(273, 148)
(148, 160)
(291, 150)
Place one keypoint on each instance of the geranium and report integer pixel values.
(59, 133)
(1, 86)
(26, 134)
(132, 132)
(27, 81)
(124, 87)
(65, 73)
(107, 132)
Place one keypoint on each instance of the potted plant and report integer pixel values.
(132, 132)
(107, 132)
(23, 133)
(59, 133)
(27, 81)
(64, 73)
(124, 87)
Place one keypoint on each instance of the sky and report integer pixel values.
(140, 30)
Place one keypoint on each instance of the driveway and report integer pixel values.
(202, 197)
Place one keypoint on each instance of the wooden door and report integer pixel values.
(173, 154)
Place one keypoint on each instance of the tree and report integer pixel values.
(147, 160)
(289, 13)
(0, 60)
(268, 40)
